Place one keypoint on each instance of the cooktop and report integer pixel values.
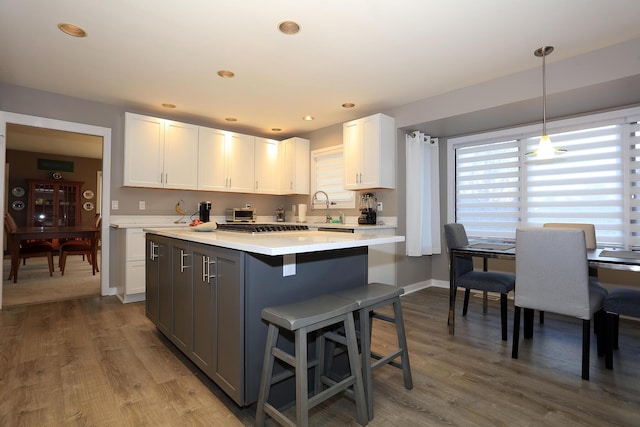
(250, 227)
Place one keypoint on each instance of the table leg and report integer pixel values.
(452, 296)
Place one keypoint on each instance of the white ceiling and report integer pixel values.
(378, 54)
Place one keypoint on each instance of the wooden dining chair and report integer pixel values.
(81, 247)
(468, 278)
(25, 250)
(552, 271)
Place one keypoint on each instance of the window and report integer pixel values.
(327, 174)
(494, 188)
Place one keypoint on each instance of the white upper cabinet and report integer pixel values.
(267, 166)
(295, 166)
(160, 153)
(369, 153)
(240, 163)
(212, 161)
(225, 161)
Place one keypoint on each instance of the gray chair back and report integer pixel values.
(589, 231)
(552, 272)
(456, 236)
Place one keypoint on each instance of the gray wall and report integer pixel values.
(603, 79)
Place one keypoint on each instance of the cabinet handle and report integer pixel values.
(360, 178)
(153, 255)
(182, 264)
(161, 178)
(356, 177)
(166, 178)
(206, 269)
(256, 184)
(290, 185)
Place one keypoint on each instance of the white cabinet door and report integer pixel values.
(143, 151)
(240, 163)
(369, 153)
(180, 156)
(267, 166)
(352, 146)
(212, 160)
(295, 166)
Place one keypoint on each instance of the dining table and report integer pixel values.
(49, 233)
(607, 258)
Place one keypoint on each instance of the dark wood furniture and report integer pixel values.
(46, 233)
(54, 203)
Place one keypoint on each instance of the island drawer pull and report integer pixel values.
(182, 264)
(206, 269)
(153, 255)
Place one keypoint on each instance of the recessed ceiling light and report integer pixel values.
(276, 129)
(231, 119)
(308, 118)
(348, 105)
(289, 27)
(72, 30)
(226, 74)
(165, 105)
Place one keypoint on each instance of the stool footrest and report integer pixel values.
(384, 317)
(277, 415)
(386, 359)
(284, 356)
(327, 393)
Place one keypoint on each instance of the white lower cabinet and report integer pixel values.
(127, 267)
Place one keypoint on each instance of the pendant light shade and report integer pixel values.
(545, 149)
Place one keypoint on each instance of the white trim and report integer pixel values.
(105, 133)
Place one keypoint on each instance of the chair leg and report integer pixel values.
(366, 323)
(63, 262)
(609, 331)
(50, 259)
(402, 343)
(465, 305)
(516, 332)
(598, 330)
(616, 327)
(542, 317)
(528, 323)
(586, 344)
(503, 315)
(302, 383)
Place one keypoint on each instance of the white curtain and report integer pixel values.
(423, 197)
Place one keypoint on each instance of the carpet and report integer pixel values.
(36, 286)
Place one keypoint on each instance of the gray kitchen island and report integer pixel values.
(205, 292)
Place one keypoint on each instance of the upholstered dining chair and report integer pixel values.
(41, 248)
(552, 271)
(590, 242)
(79, 247)
(468, 278)
(620, 301)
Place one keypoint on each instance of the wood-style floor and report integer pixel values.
(97, 362)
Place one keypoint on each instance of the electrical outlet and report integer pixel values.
(379, 207)
(142, 205)
(114, 205)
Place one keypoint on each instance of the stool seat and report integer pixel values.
(302, 314)
(368, 298)
(321, 315)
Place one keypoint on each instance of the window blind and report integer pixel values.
(328, 175)
(597, 181)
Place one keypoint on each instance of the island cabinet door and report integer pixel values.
(158, 281)
(218, 317)
(181, 273)
(204, 298)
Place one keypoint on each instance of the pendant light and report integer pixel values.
(545, 150)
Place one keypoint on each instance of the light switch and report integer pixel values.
(114, 205)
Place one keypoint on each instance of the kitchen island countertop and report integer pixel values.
(278, 243)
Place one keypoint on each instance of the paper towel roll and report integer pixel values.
(302, 212)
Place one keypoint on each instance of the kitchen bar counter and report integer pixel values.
(278, 243)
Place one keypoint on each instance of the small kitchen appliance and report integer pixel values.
(205, 210)
(241, 215)
(280, 214)
(368, 209)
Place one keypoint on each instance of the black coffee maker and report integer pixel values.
(368, 213)
(205, 210)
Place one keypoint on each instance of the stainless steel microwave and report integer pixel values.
(241, 215)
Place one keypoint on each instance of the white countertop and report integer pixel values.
(279, 243)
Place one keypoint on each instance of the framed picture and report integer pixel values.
(17, 191)
(18, 205)
(87, 194)
(87, 206)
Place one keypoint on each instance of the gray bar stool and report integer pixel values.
(324, 311)
(369, 298)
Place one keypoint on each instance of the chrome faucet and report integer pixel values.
(315, 197)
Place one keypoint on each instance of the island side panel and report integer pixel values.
(316, 273)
